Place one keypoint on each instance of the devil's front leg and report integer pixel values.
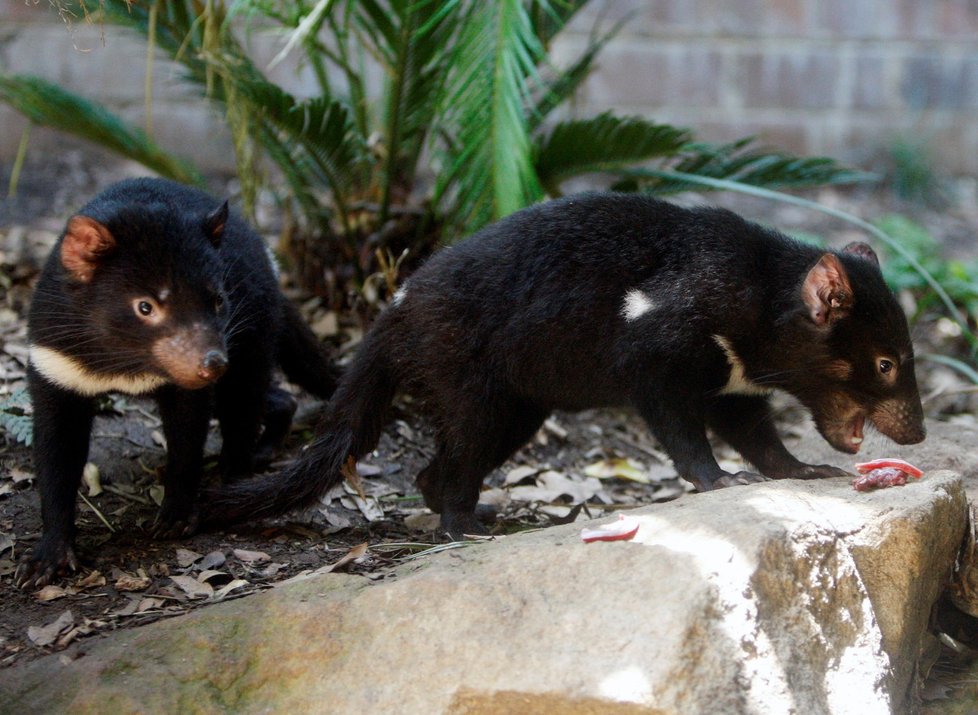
(674, 410)
(242, 397)
(745, 423)
(186, 416)
(62, 428)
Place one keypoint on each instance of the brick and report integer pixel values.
(656, 73)
(939, 82)
(865, 19)
(917, 20)
(800, 79)
(660, 18)
(958, 19)
(870, 88)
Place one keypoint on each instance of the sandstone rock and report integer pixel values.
(780, 597)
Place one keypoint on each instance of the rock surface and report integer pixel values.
(781, 597)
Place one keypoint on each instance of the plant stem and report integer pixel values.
(19, 161)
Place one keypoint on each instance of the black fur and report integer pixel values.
(528, 316)
(157, 280)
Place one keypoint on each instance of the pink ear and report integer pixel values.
(84, 243)
(826, 290)
(863, 250)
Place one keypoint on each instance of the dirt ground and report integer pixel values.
(578, 465)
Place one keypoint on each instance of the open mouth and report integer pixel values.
(856, 432)
(845, 435)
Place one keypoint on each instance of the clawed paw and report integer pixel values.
(739, 478)
(459, 525)
(38, 569)
(820, 471)
(174, 527)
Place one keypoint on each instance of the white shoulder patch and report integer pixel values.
(68, 373)
(738, 383)
(399, 295)
(636, 304)
(273, 262)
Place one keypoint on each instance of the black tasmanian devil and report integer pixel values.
(690, 316)
(156, 288)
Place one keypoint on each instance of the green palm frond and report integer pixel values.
(602, 143)
(409, 39)
(47, 104)
(740, 162)
(562, 86)
(495, 56)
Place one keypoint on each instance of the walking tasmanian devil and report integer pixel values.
(155, 288)
(690, 316)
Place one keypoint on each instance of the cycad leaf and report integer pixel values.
(496, 53)
(562, 86)
(738, 162)
(48, 104)
(602, 143)
(408, 37)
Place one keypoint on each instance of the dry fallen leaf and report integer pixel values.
(232, 586)
(192, 587)
(186, 557)
(422, 521)
(620, 468)
(369, 507)
(46, 635)
(20, 475)
(156, 493)
(517, 475)
(251, 557)
(93, 579)
(552, 486)
(92, 479)
(149, 604)
(213, 560)
(357, 552)
(128, 582)
(50, 593)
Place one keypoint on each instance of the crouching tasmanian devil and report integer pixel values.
(690, 316)
(155, 288)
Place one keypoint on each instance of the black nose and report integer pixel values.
(213, 365)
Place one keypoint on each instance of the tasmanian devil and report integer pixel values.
(155, 288)
(690, 316)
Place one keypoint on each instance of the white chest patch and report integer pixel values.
(635, 305)
(68, 373)
(738, 383)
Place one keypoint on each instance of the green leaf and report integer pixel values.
(48, 104)
(485, 105)
(602, 143)
(739, 162)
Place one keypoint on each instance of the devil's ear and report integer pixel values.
(214, 223)
(862, 250)
(85, 243)
(826, 291)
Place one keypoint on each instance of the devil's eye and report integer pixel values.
(144, 307)
(885, 366)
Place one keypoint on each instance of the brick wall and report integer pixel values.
(846, 78)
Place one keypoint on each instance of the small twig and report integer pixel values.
(98, 513)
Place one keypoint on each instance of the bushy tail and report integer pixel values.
(351, 427)
(303, 358)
